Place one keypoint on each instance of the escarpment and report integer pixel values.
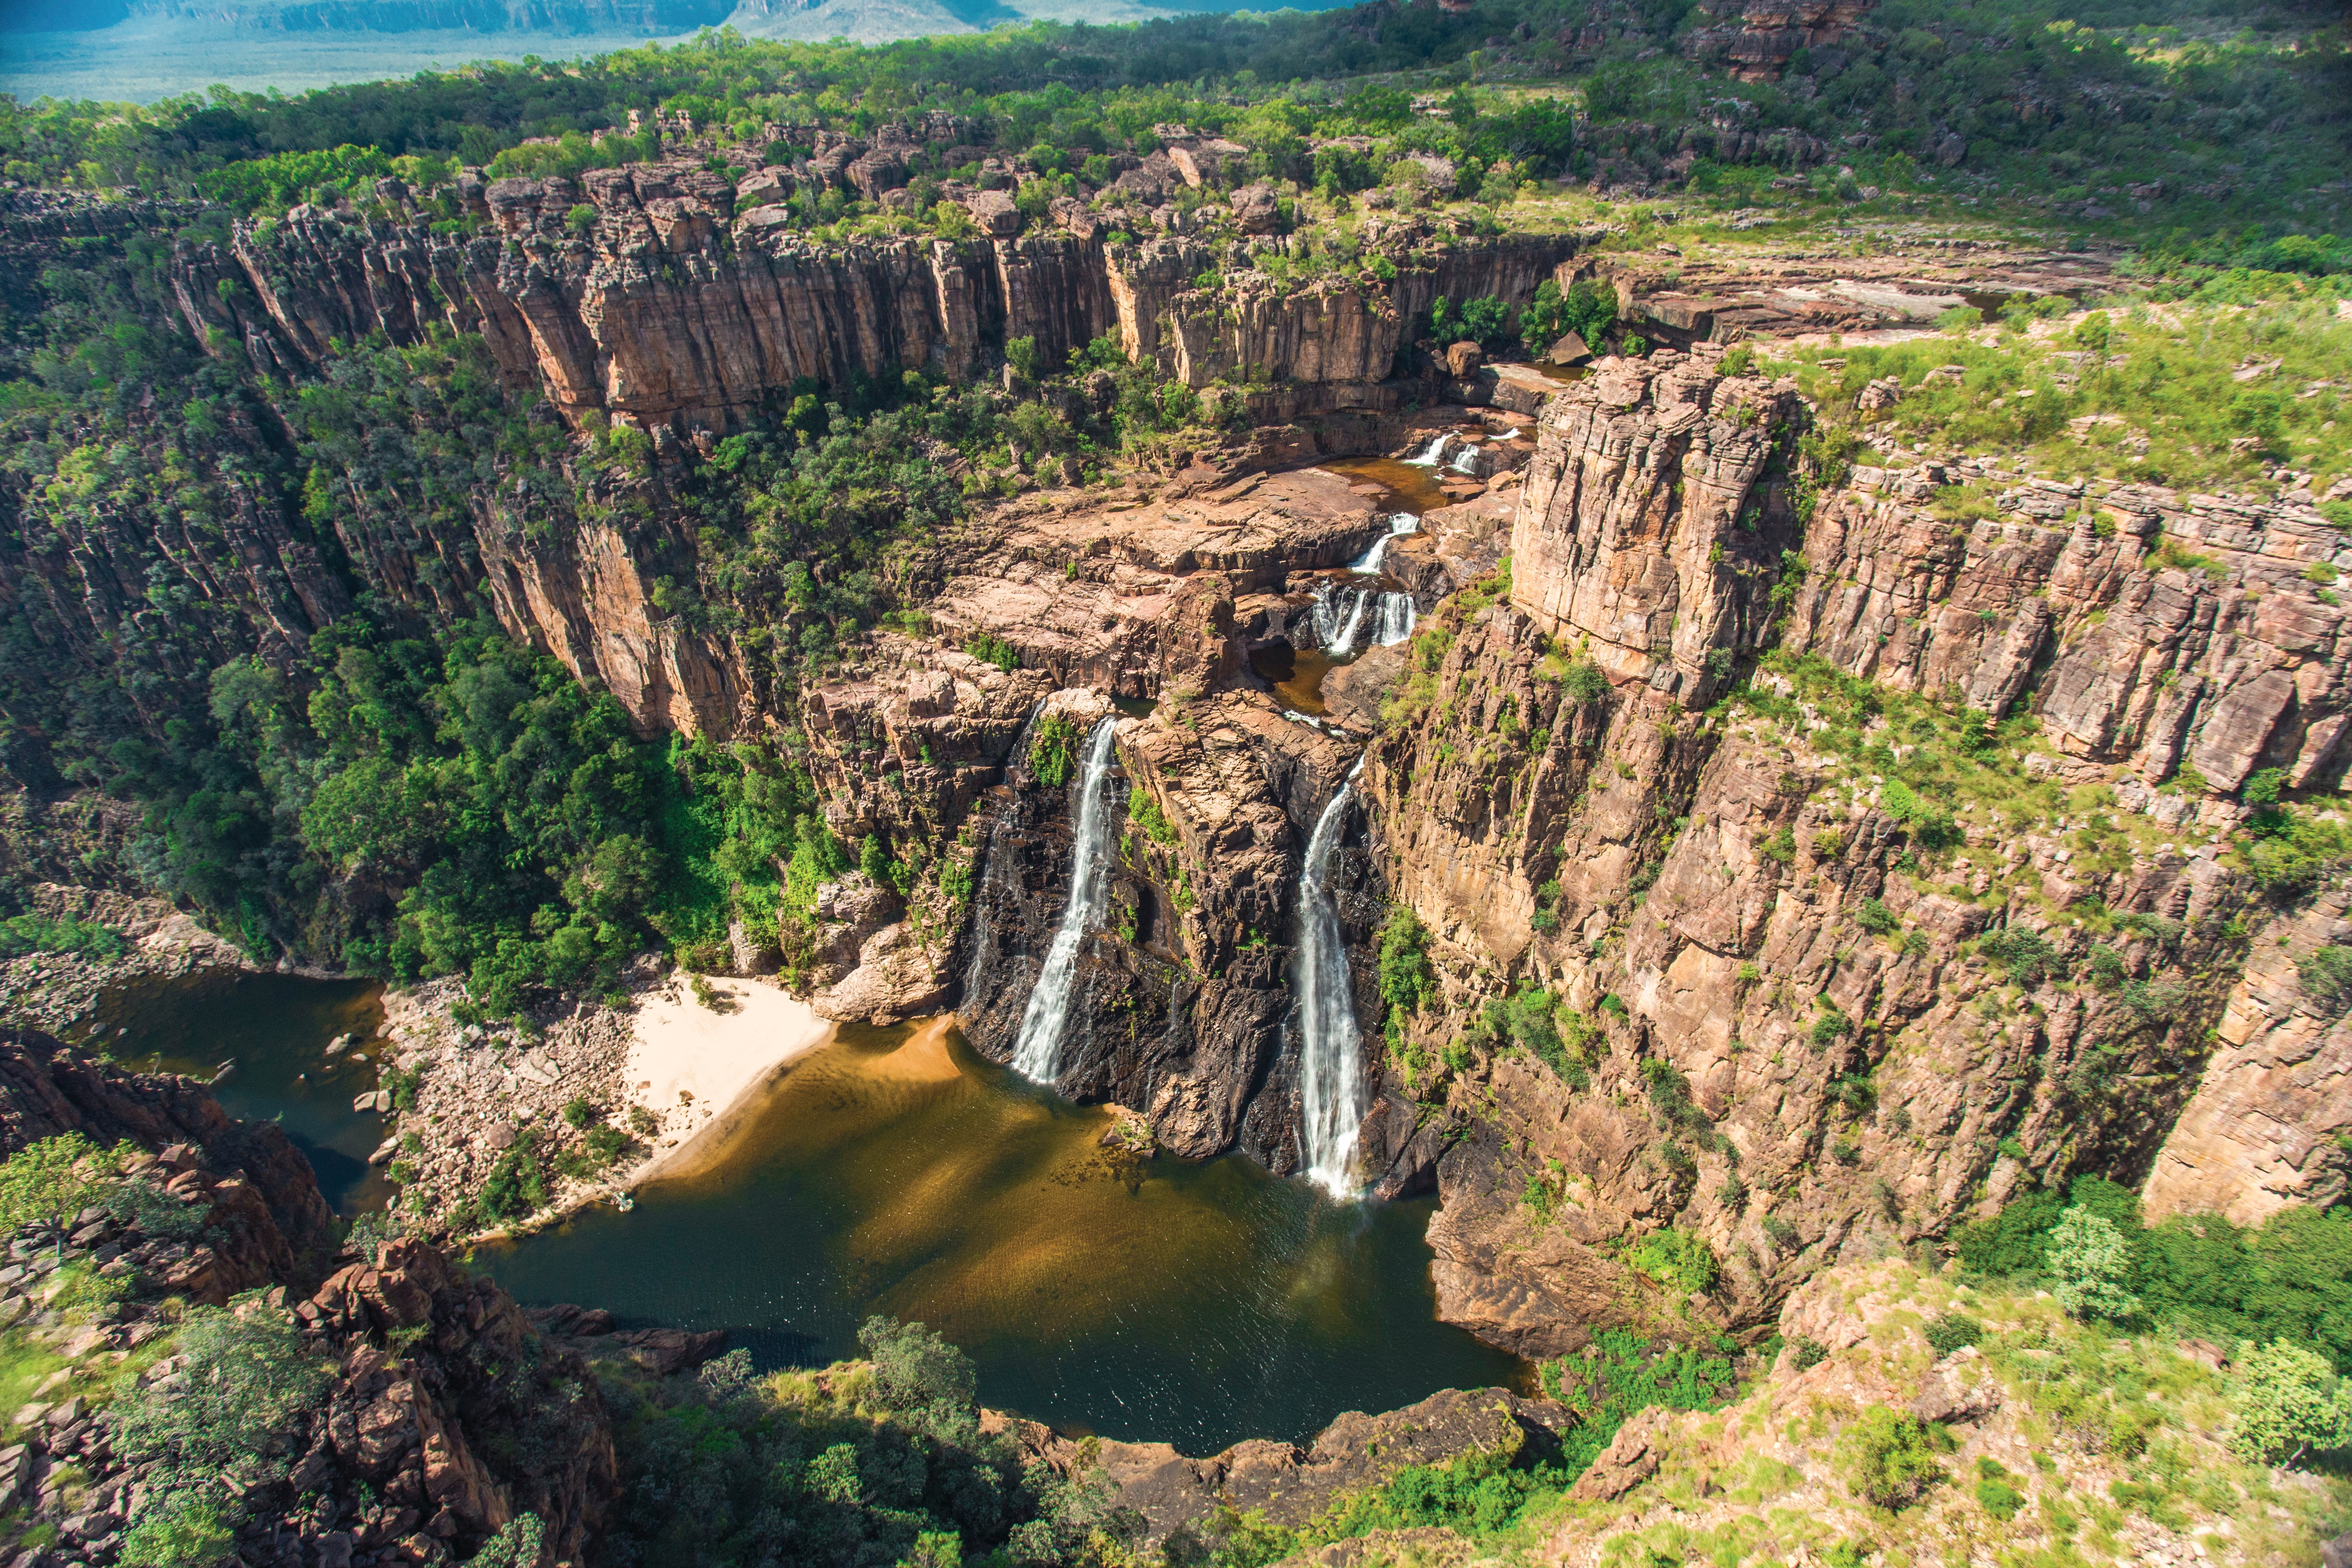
(1757, 1018)
(670, 297)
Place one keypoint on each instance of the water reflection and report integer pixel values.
(275, 1029)
(896, 1172)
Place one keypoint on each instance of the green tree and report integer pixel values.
(50, 1181)
(2289, 1404)
(2088, 1264)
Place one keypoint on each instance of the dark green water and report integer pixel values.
(275, 1028)
(896, 1172)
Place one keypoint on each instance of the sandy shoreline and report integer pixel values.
(695, 1067)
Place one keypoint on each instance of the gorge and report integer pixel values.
(1572, 794)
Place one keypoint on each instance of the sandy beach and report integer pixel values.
(693, 1066)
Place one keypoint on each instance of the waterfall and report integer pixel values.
(1038, 1053)
(1429, 457)
(1467, 462)
(1397, 614)
(1369, 561)
(1331, 1079)
(1339, 639)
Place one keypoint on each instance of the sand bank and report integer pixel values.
(693, 1066)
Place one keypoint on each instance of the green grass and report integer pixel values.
(2142, 391)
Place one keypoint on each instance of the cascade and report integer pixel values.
(1398, 612)
(1331, 1079)
(1468, 461)
(1429, 457)
(1038, 1053)
(1400, 522)
(1337, 636)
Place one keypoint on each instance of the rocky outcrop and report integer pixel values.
(444, 1415)
(1291, 1485)
(1179, 1011)
(2266, 1126)
(2176, 630)
(47, 1089)
(639, 291)
(1757, 39)
(1647, 526)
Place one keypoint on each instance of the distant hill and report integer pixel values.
(144, 49)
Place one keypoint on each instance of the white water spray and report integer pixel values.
(1429, 457)
(1038, 1054)
(1336, 635)
(1398, 612)
(1332, 1078)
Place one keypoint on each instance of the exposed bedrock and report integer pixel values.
(1654, 515)
(1180, 1007)
(668, 306)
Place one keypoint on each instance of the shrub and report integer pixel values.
(578, 1113)
(249, 1394)
(1145, 813)
(21, 934)
(1876, 919)
(2327, 976)
(517, 1544)
(1407, 981)
(2026, 954)
(2088, 1264)
(2289, 1403)
(1678, 1259)
(1949, 1332)
(1053, 751)
(1888, 1458)
(1994, 1494)
(50, 1181)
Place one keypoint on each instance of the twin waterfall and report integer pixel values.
(1038, 1053)
(1331, 1079)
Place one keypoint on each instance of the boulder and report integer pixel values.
(1463, 360)
(1257, 209)
(1570, 349)
(995, 212)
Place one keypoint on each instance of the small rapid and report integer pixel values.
(1037, 1054)
(1332, 1078)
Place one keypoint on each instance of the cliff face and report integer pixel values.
(1756, 1067)
(641, 292)
(1648, 527)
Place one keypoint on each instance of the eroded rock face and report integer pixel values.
(2226, 669)
(1707, 1083)
(667, 308)
(1292, 1484)
(2263, 1129)
(427, 1449)
(1179, 1011)
(47, 1089)
(1648, 524)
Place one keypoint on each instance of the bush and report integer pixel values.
(2025, 954)
(1888, 1458)
(1994, 1494)
(1678, 1259)
(50, 1181)
(1876, 919)
(21, 934)
(2327, 976)
(2289, 1404)
(1949, 1332)
(1407, 981)
(1053, 751)
(248, 1395)
(2088, 1265)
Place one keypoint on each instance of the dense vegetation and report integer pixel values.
(2287, 1278)
(2237, 112)
(872, 1462)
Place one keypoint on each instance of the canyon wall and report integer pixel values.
(639, 291)
(1766, 1070)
